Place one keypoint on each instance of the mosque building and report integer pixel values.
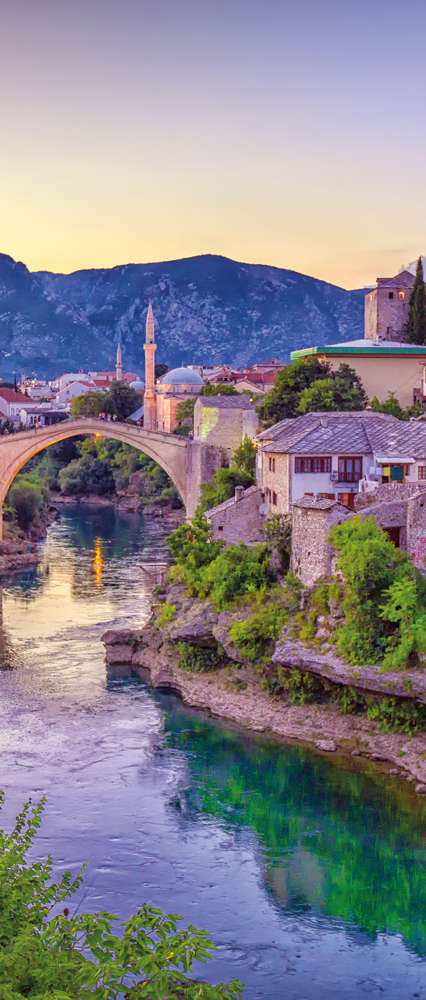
(162, 399)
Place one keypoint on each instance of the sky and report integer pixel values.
(273, 132)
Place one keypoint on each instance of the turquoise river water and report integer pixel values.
(308, 874)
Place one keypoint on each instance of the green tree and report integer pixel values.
(221, 389)
(185, 417)
(392, 406)
(91, 404)
(80, 957)
(283, 400)
(25, 497)
(121, 400)
(343, 390)
(245, 457)
(415, 327)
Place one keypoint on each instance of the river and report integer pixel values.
(307, 873)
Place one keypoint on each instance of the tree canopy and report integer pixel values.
(120, 400)
(309, 384)
(415, 327)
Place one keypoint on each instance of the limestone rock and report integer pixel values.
(421, 789)
(328, 746)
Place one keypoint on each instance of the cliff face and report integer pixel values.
(208, 309)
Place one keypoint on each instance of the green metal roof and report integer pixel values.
(338, 349)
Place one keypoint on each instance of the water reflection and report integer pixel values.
(334, 841)
(98, 562)
(306, 873)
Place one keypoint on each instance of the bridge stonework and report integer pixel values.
(188, 463)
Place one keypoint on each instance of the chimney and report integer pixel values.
(239, 493)
(323, 421)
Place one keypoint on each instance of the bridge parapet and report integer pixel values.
(188, 463)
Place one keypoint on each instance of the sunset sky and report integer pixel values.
(271, 132)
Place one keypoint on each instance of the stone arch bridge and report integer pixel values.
(188, 463)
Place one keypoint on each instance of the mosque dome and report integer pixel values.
(138, 384)
(181, 376)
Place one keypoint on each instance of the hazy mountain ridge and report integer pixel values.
(207, 309)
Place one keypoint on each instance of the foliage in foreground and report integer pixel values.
(63, 957)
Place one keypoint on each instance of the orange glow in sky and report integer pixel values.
(271, 133)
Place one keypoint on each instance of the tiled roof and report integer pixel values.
(322, 503)
(232, 500)
(11, 396)
(352, 433)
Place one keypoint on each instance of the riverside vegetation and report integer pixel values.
(371, 613)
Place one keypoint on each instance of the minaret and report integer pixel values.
(119, 364)
(149, 400)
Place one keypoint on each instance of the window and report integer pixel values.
(401, 295)
(350, 469)
(391, 295)
(313, 464)
(271, 464)
(274, 499)
(421, 472)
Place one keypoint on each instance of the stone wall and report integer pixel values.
(416, 529)
(239, 519)
(276, 480)
(224, 426)
(311, 554)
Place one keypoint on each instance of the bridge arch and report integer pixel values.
(174, 454)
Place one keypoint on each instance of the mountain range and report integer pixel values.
(208, 309)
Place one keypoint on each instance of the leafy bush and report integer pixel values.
(348, 699)
(236, 571)
(80, 957)
(241, 473)
(302, 687)
(277, 535)
(383, 604)
(253, 638)
(397, 716)
(200, 659)
(167, 613)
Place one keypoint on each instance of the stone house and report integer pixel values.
(334, 455)
(223, 421)
(239, 519)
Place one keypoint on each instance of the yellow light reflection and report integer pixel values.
(98, 562)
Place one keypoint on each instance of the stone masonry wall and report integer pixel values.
(239, 519)
(312, 555)
(416, 529)
(276, 480)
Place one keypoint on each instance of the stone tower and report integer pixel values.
(387, 306)
(149, 400)
(119, 364)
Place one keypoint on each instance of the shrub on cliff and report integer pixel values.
(236, 572)
(80, 957)
(384, 598)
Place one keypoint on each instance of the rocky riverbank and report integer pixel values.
(234, 691)
(19, 549)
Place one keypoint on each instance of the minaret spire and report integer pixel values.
(119, 363)
(150, 347)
